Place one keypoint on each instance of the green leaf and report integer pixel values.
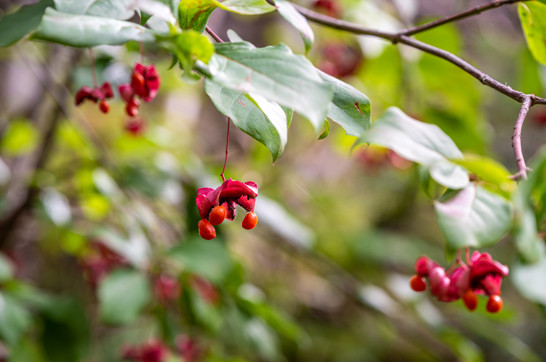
(261, 119)
(21, 137)
(326, 131)
(122, 296)
(473, 217)
(530, 281)
(78, 7)
(88, 31)
(532, 15)
(18, 24)
(194, 14)
(6, 268)
(188, 47)
(419, 142)
(115, 9)
(274, 73)
(14, 319)
(290, 14)
(209, 259)
(246, 7)
(349, 107)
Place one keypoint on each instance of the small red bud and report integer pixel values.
(217, 215)
(494, 304)
(417, 283)
(206, 230)
(103, 106)
(250, 221)
(470, 300)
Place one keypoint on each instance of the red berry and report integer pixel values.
(494, 304)
(470, 300)
(250, 221)
(206, 230)
(217, 215)
(103, 106)
(417, 283)
(135, 126)
(132, 107)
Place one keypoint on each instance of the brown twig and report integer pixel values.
(516, 140)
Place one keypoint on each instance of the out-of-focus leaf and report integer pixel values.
(88, 31)
(530, 281)
(419, 142)
(490, 171)
(20, 137)
(326, 131)
(209, 259)
(246, 7)
(14, 319)
(189, 47)
(115, 9)
(157, 9)
(473, 217)
(78, 7)
(349, 107)
(5, 173)
(122, 296)
(6, 268)
(15, 26)
(261, 119)
(274, 73)
(56, 206)
(290, 14)
(263, 339)
(533, 21)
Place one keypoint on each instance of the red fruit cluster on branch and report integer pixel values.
(144, 85)
(216, 205)
(153, 351)
(481, 275)
(95, 95)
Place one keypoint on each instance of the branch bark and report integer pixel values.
(516, 140)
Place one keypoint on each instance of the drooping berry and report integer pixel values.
(250, 221)
(417, 283)
(217, 215)
(103, 106)
(470, 300)
(494, 304)
(206, 230)
(135, 126)
(132, 107)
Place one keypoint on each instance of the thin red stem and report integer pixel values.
(213, 34)
(93, 72)
(227, 150)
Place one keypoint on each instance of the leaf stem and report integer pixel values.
(227, 150)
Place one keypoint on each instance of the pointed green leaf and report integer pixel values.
(261, 119)
(274, 73)
(532, 15)
(88, 31)
(473, 217)
(419, 142)
(290, 14)
(349, 107)
(18, 24)
(194, 14)
(122, 295)
(246, 7)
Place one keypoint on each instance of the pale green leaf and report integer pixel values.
(290, 14)
(78, 7)
(274, 73)
(246, 7)
(88, 31)
(530, 281)
(419, 142)
(261, 119)
(115, 9)
(532, 15)
(473, 217)
(122, 296)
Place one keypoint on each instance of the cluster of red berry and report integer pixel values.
(157, 351)
(480, 275)
(216, 205)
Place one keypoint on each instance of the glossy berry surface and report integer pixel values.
(494, 304)
(217, 215)
(250, 221)
(417, 283)
(470, 300)
(206, 230)
(103, 106)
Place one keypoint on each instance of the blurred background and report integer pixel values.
(100, 255)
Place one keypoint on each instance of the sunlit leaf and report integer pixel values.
(261, 119)
(532, 15)
(246, 7)
(88, 31)
(473, 217)
(15, 26)
(274, 73)
(189, 46)
(122, 296)
(290, 14)
(20, 137)
(419, 142)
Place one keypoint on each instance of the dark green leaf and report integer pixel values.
(349, 108)
(15, 26)
(14, 319)
(209, 259)
(532, 15)
(473, 217)
(261, 119)
(122, 296)
(419, 142)
(88, 31)
(290, 14)
(274, 73)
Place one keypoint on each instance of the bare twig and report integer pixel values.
(516, 140)
(213, 34)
